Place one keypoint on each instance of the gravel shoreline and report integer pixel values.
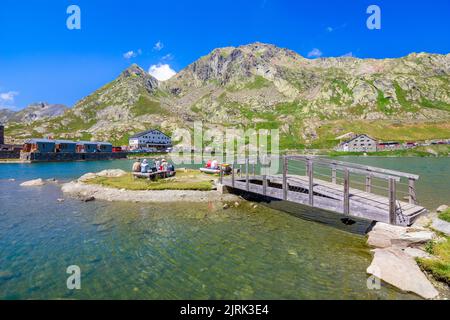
(82, 190)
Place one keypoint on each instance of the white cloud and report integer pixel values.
(162, 72)
(7, 99)
(330, 29)
(8, 96)
(130, 54)
(315, 53)
(158, 46)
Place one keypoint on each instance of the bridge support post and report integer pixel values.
(285, 170)
(221, 175)
(264, 184)
(311, 182)
(247, 181)
(392, 202)
(346, 192)
(369, 183)
(412, 191)
(333, 174)
(232, 175)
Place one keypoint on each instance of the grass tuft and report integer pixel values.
(445, 215)
(439, 267)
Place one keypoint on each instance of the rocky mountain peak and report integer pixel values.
(136, 74)
(134, 70)
(37, 111)
(229, 65)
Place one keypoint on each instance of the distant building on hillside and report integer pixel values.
(360, 143)
(150, 139)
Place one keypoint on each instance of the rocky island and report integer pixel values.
(118, 185)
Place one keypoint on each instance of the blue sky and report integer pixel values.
(41, 60)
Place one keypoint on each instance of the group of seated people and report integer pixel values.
(214, 164)
(157, 166)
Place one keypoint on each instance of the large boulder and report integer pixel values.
(441, 226)
(422, 222)
(33, 183)
(382, 234)
(442, 208)
(413, 239)
(111, 173)
(105, 173)
(87, 176)
(417, 253)
(399, 269)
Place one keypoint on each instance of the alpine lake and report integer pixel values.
(179, 250)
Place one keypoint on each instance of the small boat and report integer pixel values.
(210, 171)
(226, 168)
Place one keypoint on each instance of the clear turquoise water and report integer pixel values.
(200, 251)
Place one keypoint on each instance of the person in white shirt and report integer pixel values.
(214, 164)
(144, 166)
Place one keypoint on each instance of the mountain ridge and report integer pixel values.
(263, 86)
(33, 112)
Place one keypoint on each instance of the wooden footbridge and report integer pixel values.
(345, 188)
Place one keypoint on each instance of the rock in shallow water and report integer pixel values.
(33, 183)
(400, 270)
(87, 198)
(384, 235)
(442, 208)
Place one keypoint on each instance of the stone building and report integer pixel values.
(360, 143)
(151, 139)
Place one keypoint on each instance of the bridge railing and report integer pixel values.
(338, 171)
(369, 172)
